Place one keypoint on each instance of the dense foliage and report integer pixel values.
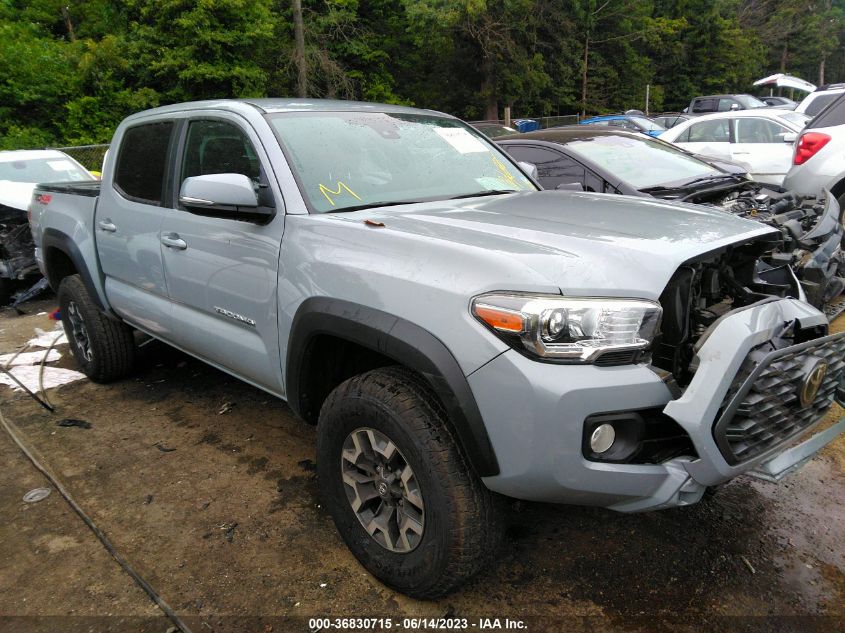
(71, 69)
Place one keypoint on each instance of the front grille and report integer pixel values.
(763, 408)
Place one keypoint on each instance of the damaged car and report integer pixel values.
(611, 161)
(20, 171)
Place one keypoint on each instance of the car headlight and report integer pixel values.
(569, 328)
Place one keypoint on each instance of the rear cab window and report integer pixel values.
(142, 162)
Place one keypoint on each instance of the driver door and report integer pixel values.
(221, 272)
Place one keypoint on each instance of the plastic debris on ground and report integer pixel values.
(26, 366)
(29, 358)
(45, 339)
(73, 422)
(36, 494)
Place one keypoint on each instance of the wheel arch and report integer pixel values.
(323, 325)
(63, 258)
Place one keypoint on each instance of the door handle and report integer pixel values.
(106, 225)
(172, 240)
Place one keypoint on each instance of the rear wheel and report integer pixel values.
(7, 288)
(398, 487)
(103, 348)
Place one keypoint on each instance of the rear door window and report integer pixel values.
(717, 131)
(142, 161)
(834, 115)
(820, 103)
(704, 105)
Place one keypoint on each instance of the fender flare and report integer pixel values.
(406, 343)
(54, 239)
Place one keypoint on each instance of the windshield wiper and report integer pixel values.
(393, 203)
(478, 194)
(373, 205)
(695, 181)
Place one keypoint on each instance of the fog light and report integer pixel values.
(602, 438)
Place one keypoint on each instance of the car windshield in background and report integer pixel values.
(347, 160)
(749, 102)
(647, 124)
(42, 170)
(641, 162)
(494, 131)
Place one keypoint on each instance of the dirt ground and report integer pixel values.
(207, 487)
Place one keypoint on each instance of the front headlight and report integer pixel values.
(569, 328)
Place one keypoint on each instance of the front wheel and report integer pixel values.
(103, 348)
(398, 487)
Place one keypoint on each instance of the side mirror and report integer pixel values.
(220, 194)
(734, 106)
(529, 169)
(789, 137)
(570, 186)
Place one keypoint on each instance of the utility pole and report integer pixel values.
(647, 95)
(299, 50)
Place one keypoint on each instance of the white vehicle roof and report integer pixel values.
(31, 154)
(17, 195)
(781, 116)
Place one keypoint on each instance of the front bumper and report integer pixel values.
(539, 447)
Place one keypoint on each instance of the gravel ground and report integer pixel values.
(207, 487)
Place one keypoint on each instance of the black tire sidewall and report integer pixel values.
(71, 289)
(404, 571)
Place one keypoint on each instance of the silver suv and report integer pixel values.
(819, 158)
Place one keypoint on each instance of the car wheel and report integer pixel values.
(103, 348)
(7, 289)
(400, 491)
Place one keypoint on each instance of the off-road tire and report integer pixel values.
(111, 343)
(7, 289)
(463, 520)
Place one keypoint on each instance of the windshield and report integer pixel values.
(37, 170)
(647, 124)
(353, 159)
(493, 131)
(749, 102)
(641, 162)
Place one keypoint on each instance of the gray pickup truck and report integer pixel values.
(457, 335)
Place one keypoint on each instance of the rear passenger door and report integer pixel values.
(127, 224)
(759, 142)
(222, 273)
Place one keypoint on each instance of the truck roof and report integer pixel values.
(285, 104)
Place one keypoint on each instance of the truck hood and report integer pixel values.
(600, 244)
(16, 194)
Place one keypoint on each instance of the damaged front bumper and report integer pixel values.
(17, 250)
(535, 414)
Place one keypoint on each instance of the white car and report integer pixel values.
(21, 170)
(760, 139)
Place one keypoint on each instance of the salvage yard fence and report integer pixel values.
(89, 156)
(544, 121)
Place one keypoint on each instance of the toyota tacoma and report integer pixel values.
(457, 335)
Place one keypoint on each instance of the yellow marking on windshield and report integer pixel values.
(505, 172)
(328, 192)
